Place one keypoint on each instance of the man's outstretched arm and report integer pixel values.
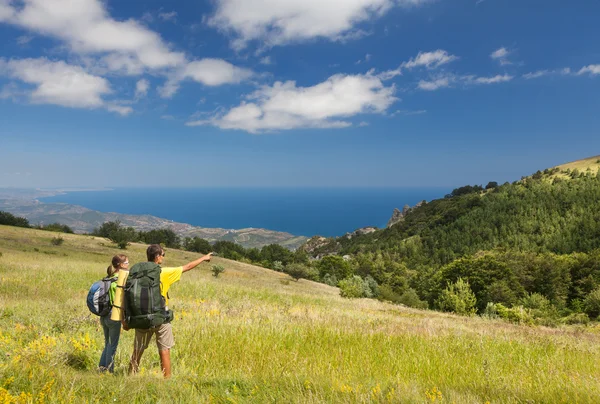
(194, 264)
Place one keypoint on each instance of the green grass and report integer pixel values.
(252, 336)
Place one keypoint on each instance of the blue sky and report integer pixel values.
(294, 93)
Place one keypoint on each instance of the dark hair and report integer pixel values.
(117, 261)
(153, 251)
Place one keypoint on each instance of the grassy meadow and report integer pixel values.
(253, 335)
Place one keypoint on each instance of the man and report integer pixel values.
(164, 332)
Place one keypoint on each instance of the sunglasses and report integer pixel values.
(163, 254)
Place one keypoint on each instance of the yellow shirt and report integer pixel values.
(169, 276)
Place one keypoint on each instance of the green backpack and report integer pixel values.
(144, 304)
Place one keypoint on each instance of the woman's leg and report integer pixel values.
(114, 328)
(103, 365)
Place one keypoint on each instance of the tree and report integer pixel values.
(106, 229)
(297, 271)
(123, 237)
(9, 219)
(354, 287)
(253, 254)
(57, 227)
(198, 245)
(458, 298)
(229, 249)
(275, 252)
(166, 237)
(335, 266)
(491, 185)
(591, 304)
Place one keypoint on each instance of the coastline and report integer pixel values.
(26, 203)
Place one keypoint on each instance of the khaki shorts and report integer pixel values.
(164, 338)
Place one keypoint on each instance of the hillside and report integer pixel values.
(537, 236)
(252, 335)
(24, 203)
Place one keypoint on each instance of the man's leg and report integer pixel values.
(140, 343)
(134, 363)
(164, 342)
(165, 362)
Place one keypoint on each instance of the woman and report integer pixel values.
(112, 329)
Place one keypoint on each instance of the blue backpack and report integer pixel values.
(98, 298)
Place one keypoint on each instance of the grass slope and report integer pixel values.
(253, 336)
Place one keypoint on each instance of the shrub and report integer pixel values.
(490, 311)
(591, 304)
(217, 270)
(576, 318)
(334, 266)
(330, 280)
(354, 287)
(57, 227)
(411, 299)
(535, 301)
(12, 220)
(57, 240)
(373, 286)
(165, 237)
(123, 237)
(198, 245)
(516, 314)
(539, 307)
(458, 298)
(297, 271)
(387, 293)
(277, 266)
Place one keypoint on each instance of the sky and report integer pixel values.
(294, 93)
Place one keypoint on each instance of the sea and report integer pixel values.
(328, 212)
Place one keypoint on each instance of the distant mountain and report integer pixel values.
(23, 203)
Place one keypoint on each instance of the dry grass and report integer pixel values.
(251, 336)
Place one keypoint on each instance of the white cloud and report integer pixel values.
(141, 88)
(430, 60)
(435, 84)
(408, 112)
(280, 22)
(170, 16)
(542, 73)
(538, 74)
(488, 80)
(266, 60)
(501, 55)
(448, 80)
(24, 39)
(87, 28)
(285, 106)
(210, 72)
(363, 124)
(12, 91)
(59, 83)
(123, 63)
(591, 69)
(119, 109)
(6, 10)
(123, 47)
(367, 59)
(215, 72)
